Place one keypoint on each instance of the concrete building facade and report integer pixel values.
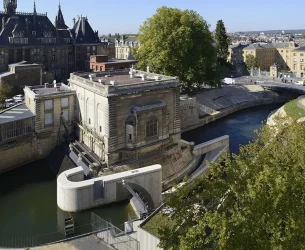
(236, 57)
(76, 194)
(102, 63)
(127, 115)
(21, 74)
(287, 56)
(124, 46)
(29, 132)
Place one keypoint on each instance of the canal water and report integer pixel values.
(28, 194)
(239, 126)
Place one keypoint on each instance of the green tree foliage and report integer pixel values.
(6, 91)
(256, 201)
(250, 61)
(178, 43)
(222, 41)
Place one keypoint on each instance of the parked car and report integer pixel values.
(9, 104)
(9, 100)
(18, 97)
(229, 80)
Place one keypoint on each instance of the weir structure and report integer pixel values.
(143, 186)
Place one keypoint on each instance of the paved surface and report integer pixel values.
(86, 243)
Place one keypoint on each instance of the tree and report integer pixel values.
(255, 201)
(250, 61)
(222, 41)
(178, 43)
(5, 92)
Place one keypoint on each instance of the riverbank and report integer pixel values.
(214, 104)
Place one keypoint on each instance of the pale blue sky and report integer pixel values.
(120, 16)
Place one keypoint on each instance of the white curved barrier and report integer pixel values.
(76, 194)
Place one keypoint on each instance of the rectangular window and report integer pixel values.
(48, 118)
(48, 112)
(65, 102)
(48, 105)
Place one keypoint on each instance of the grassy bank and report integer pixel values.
(291, 108)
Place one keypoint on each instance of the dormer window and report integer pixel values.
(47, 34)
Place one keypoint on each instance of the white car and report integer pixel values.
(229, 81)
(18, 97)
(9, 100)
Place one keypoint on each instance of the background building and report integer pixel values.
(236, 57)
(124, 46)
(33, 38)
(287, 56)
(102, 63)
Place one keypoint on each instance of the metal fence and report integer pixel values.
(112, 235)
(108, 233)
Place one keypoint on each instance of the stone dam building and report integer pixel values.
(117, 121)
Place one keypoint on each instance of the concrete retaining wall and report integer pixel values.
(222, 113)
(217, 103)
(211, 145)
(147, 240)
(76, 194)
(15, 153)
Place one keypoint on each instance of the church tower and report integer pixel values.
(10, 6)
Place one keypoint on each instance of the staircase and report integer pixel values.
(69, 226)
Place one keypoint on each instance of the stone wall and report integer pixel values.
(20, 75)
(15, 153)
(173, 160)
(188, 111)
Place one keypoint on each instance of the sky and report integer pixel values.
(126, 16)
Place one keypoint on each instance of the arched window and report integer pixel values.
(152, 127)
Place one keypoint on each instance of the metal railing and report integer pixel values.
(106, 231)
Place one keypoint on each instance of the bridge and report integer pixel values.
(276, 86)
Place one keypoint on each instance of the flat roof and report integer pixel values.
(49, 89)
(15, 113)
(116, 62)
(123, 78)
(42, 91)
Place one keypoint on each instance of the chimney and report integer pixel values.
(3, 23)
(27, 23)
(73, 21)
(83, 25)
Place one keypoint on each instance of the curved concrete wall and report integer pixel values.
(76, 194)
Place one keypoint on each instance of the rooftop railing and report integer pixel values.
(26, 13)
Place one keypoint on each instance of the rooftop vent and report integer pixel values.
(114, 83)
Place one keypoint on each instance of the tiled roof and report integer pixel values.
(84, 36)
